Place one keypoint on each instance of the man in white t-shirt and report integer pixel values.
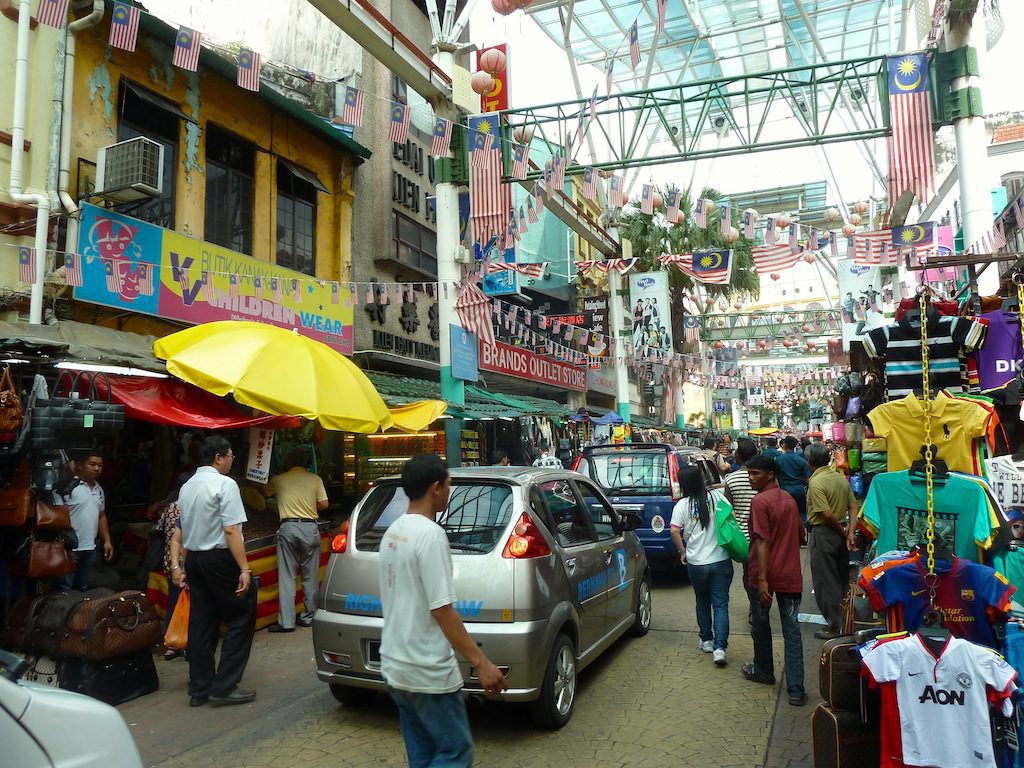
(88, 507)
(422, 629)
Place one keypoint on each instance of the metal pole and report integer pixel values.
(615, 315)
(971, 152)
(453, 391)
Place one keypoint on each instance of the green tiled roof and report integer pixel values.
(399, 390)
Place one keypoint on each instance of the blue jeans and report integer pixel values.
(711, 589)
(81, 577)
(793, 644)
(435, 728)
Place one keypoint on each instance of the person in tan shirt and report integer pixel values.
(301, 496)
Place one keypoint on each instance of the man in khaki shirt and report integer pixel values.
(831, 517)
(301, 496)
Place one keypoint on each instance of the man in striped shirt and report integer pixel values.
(738, 490)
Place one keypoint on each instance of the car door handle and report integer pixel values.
(608, 557)
(570, 565)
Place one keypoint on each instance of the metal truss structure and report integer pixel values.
(743, 326)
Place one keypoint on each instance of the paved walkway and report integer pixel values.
(651, 702)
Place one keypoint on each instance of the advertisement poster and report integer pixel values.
(863, 300)
(130, 265)
(261, 447)
(755, 395)
(649, 315)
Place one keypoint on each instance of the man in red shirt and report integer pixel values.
(775, 535)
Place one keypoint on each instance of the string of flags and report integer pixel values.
(622, 266)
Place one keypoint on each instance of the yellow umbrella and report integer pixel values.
(277, 371)
(762, 431)
(414, 417)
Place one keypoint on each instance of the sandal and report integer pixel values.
(173, 653)
(756, 677)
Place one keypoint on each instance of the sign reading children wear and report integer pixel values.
(128, 264)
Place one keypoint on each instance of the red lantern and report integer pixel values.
(809, 257)
(657, 200)
(492, 61)
(762, 344)
(481, 83)
(855, 218)
(504, 7)
(849, 230)
(718, 345)
(775, 276)
(811, 344)
(782, 220)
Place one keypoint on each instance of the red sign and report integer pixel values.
(498, 98)
(523, 364)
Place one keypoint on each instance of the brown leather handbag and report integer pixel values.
(111, 626)
(11, 412)
(43, 559)
(52, 517)
(15, 507)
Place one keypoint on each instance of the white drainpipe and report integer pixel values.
(41, 201)
(64, 178)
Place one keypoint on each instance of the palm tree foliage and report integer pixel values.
(652, 236)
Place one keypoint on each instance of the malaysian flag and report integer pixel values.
(442, 137)
(999, 235)
(531, 212)
(27, 264)
(520, 159)
(865, 250)
(112, 275)
(608, 75)
(398, 127)
(725, 220)
(52, 13)
(73, 270)
(489, 199)
(352, 113)
(1018, 214)
(522, 221)
(691, 328)
(709, 267)
(773, 258)
(124, 27)
(700, 213)
(473, 310)
(186, 49)
(647, 199)
(144, 274)
(592, 107)
(661, 16)
(296, 291)
(335, 292)
(672, 212)
(794, 237)
(232, 286)
(769, 231)
(911, 155)
(590, 184)
(748, 224)
(833, 245)
(538, 195)
(248, 70)
(617, 196)
(276, 289)
(209, 291)
(634, 46)
(557, 175)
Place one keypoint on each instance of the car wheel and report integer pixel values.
(644, 607)
(350, 696)
(558, 693)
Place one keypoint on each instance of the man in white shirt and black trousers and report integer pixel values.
(218, 578)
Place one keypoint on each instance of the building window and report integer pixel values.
(141, 113)
(415, 245)
(399, 90)
(230, 167)
(296, 219)
(1013, 183)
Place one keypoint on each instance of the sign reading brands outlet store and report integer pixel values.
(523, 364)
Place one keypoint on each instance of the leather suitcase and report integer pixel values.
(839, 674)
(113, 681)
(842, 741)
(112, 626)
(16, 635)
(49, 626)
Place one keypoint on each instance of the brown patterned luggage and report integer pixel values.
(111, 626)
(16, 636)
(49, 626)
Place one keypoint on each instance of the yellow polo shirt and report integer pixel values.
(297, 492)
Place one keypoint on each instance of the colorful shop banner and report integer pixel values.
(139, 267)
(523, 364)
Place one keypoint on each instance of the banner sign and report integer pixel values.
(261, 448)
(524, 364)
(130, 265)
(465, 357)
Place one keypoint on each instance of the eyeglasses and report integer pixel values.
(1017, 526)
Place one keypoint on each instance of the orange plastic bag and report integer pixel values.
(177, 630)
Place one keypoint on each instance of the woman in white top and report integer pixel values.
(693, 531)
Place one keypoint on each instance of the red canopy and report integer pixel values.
(174, 402)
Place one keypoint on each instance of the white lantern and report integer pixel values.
(523, 134)
(731, 236)
(855, 219)
(832, 214)
(860, 207)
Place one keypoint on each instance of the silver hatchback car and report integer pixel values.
(548, 576)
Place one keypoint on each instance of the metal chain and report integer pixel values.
(929, 456)
(1018, 278)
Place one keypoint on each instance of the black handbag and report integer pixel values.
(94, 413)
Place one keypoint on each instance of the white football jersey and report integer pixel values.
(943, 701)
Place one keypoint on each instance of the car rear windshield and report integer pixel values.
(477, 515)
(628, 473)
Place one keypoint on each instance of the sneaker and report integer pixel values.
(799, 700)
(719, 656)
(827, 634)
(706, 645)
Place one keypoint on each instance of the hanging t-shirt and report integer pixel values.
(942, 702)
(949, 340)
(895, 512)
(968, 595)
(1000, 358)
(1007, 481)
(1010, 563)
(955, 424)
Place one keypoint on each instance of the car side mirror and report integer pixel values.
(630, 521)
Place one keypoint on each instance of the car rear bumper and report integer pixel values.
(341, 644)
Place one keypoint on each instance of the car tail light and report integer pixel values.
(340, 542)
(526, 541)
(673, 477)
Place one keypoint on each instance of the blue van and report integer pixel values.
(642, 478)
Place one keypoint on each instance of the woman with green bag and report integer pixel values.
(710, 567)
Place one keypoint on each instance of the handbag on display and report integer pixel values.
(43, 558)
(52, 517)
(93, 412)
(15, 507)
(11, 412)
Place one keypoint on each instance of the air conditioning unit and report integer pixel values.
(130, 170)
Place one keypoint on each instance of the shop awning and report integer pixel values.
(81, 342)
(170, 401)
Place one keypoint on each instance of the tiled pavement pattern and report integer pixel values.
(656, 701)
